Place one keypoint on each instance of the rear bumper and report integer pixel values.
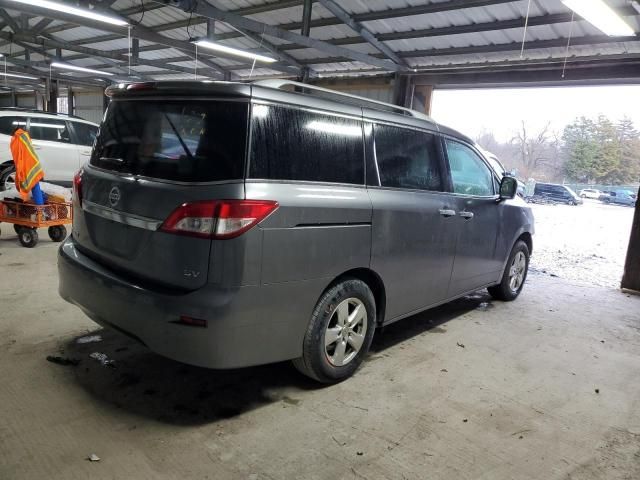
(247, 325)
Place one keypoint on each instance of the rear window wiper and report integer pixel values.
(184, 145)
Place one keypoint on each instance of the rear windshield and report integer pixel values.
(174, 140)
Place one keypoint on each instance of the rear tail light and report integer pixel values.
(218, 219)
(77, 186)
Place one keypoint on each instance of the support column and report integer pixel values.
(70, 102)
(211, 29)
(401, 90)
(305, 30)
(135, 51)
(52, 96)
(422, 97)
(631, 277)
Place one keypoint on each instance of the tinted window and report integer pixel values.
(8, 124)
(50, 129)
(469, 173)
(291, 144)
(85, 133)
(407, 158)
(184, 141)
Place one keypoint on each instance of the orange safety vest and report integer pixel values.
(28, 169)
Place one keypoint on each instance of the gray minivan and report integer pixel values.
(228, 224)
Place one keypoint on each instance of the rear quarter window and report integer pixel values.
(292, 144)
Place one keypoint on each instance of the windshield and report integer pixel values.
(183, 141)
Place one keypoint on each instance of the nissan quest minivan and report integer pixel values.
(231, 224)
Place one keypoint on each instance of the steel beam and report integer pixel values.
(109, 57)
(248, 24)
(495, 48)
(137, 31)
(13, 25)
(363, 31)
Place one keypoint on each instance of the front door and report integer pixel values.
(52, 142)
(478, 220)
(413, 230)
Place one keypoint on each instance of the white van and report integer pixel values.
(63, 143)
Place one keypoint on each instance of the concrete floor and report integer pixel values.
(473, 390)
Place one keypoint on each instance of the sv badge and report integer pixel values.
(191, 273)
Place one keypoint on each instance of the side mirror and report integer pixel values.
(508, 188)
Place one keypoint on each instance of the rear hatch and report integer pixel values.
(153, 155)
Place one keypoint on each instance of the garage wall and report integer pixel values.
(89, 104)
(375, 89)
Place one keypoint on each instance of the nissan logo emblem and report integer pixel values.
(114, 196)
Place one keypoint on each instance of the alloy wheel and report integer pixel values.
(346, 331)
(517, 271)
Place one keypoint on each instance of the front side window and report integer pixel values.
(49, 129)
(188, 141)
(85, 133)
(407, 158)
(470, 175)
(293, 144)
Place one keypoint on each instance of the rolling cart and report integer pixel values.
(27, 218)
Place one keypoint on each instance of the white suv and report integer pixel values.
(63, 143)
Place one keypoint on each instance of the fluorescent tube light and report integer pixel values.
(67, 66)
(337, 129)
(601, 16)
(80, 12)
(15, 75)
(233, 51)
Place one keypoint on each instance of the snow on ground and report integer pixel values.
(585, 243)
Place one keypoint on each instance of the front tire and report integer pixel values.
(515, 274)
(339, 333)
(7, 178)
(28, 237)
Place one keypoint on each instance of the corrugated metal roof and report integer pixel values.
(443, 49)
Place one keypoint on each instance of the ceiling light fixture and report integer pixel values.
(601, 16)
(15, 75)
(67, 66)
(80, 12)
(233, 51)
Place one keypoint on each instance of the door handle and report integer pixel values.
(37, 147)
(87, 154)
(445, 212)
(466, 215)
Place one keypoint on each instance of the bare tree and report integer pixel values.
(533, 149)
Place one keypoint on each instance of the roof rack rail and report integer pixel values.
(280, 84)
(35, 110)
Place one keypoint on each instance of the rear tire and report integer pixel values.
(514, 276)
(339, 333)
(28, 237)
(57, 233)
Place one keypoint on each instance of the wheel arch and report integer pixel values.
(375, 284)
(527, 238)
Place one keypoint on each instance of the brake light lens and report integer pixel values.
(219, 219)
(77, 186)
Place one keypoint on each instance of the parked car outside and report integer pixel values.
(620, 197)
(590, 193)
(554, 193)
(290, 226)
(62, 143)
